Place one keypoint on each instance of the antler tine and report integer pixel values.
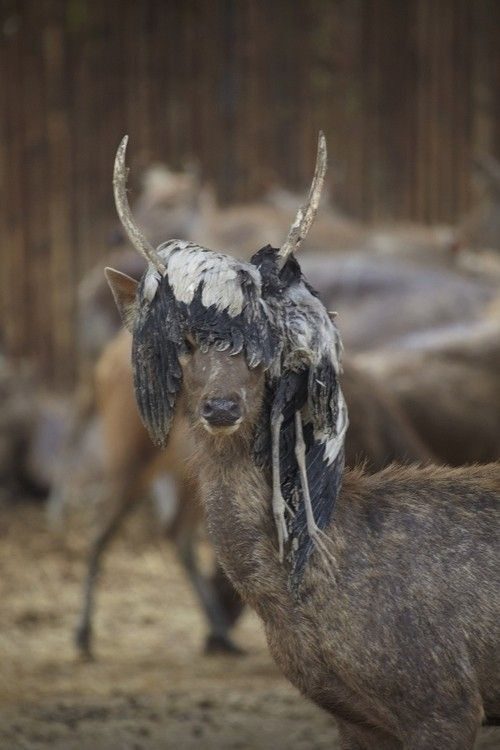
(307, 212)
(134, 234)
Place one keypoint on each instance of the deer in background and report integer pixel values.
(378, 593)
(130, 466)
(480, 228)
(447, 384)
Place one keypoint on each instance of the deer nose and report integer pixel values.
(221, 412)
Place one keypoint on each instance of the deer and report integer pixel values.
(446, 383)
(106, 436)
(366, 289)
(378, 592)
(131, 467)
(379, 434)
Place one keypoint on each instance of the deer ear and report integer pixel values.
(124, 290)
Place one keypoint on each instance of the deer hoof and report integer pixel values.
(221, 644)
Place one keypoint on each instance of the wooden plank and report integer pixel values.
(60, 195)
(34, 177)
(14, 256)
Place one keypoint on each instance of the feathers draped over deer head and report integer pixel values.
(263, 309)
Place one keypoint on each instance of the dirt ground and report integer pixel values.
(150, 688)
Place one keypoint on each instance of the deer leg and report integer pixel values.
(229, 598)
(450, 739)
(218, 639)
(353, 737)
(116, 513)
(183, 533)
(278, 501)
(455, 720)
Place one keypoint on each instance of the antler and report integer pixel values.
(307, 212)
(134, 234)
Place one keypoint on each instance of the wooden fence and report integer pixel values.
(406, 91)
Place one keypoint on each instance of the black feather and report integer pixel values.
(157, 342)
(323, 395)
(318, 386)
(250, 332)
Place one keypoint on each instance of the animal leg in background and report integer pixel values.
(183, 534)
(229, 598)
(120, 498)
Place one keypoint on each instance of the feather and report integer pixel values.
(278, 322)
(307, 382)
(157, 341)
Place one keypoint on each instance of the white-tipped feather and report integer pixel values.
(188, 266)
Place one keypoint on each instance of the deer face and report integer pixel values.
(221, 393)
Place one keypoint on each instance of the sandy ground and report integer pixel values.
(149, 687)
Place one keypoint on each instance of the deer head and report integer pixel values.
(240, 340)
(204, 320)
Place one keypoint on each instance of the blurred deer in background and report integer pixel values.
(379, 593)
(20, 414)
(480, 228)
(380, 299)
(447, 383)
(167, 199)
(130, 466)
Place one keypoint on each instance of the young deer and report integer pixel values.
(379, 594)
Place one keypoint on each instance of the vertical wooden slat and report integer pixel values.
(59, 181)
(35, 214)
(14, 257)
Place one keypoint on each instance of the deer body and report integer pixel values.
(379, 594)
(389, 638)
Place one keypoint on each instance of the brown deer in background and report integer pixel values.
(130, 464)
(378, 593)
(447, 383)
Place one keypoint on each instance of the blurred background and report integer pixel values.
(406, 92)
(223, 101)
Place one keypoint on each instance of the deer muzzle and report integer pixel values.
(221, 414)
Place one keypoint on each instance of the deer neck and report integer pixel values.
(236, 493)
